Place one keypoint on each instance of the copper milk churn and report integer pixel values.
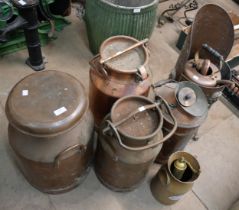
(50, 130)
(130, 138)
(120, 69)
(189, 106)
(207, 46)
(175, 178)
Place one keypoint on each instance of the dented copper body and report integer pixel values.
(129, 141)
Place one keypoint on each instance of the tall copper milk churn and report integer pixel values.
(120, 69)
(175, 178)
(50, 130)
(207, 46)
(130, 138)
(189, 106)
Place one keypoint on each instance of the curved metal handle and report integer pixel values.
(142, 73)
(100, 70)
(113, 127)
(76, 147)
(213, 52)
(162, 82)
(160, 175)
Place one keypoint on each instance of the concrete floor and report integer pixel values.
(217, 150)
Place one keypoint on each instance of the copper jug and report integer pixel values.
(130, 138)
(189, 106)
(124, 75)
(50, 130)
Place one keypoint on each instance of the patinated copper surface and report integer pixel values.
(122, 166)
(51, 130)
(188, 123)
(124, 75)
(212, 26)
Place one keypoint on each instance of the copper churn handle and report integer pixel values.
(142, 109)
(101, 70)
(76, 147)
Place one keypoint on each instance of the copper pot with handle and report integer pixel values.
(129, 141)
(119, 70)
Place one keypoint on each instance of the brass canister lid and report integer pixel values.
(46, 103)
(128, 62)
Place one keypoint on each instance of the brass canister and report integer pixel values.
(124, 75)
(129, 141)
(166, 187)
(50, 130)
(189, 106)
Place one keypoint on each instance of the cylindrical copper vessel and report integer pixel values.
(121, 76)
(189, 112)
(50, 130)
(129, 141)
(166, 188)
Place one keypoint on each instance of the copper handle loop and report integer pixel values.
(225, 82)
(76, 147)
(142, 73)
(102, 71)
(113, 127)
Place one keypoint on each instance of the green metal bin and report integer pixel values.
(106, 18)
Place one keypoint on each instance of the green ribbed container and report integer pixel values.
(106, 18)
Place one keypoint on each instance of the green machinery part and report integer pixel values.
(55, 23)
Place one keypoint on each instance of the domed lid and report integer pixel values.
(187, 101)
(191, 99)
(128, 62)
(46, 103)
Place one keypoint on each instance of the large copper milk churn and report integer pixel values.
(189, 106)
(120, 69)
(175, 178)
(50, 130)
(130, 138)
(207, 46)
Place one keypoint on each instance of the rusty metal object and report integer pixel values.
(212, 27)
(121, 76)
(50, 130)
(189, 114)
(129, 141)
(168, 189)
